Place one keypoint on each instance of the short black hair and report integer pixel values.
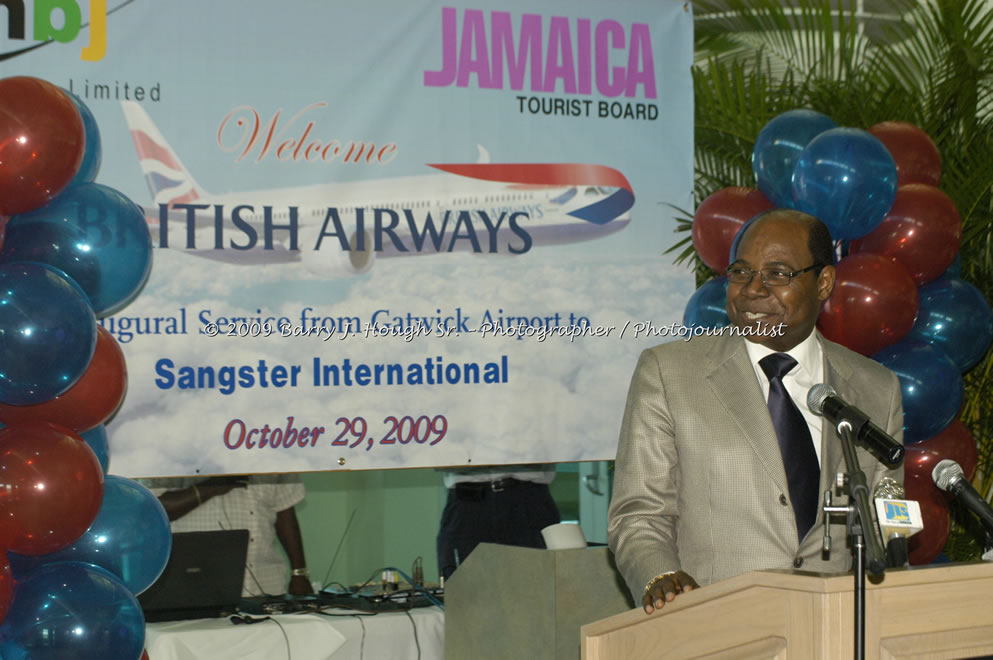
(819, 240)
(820, 244)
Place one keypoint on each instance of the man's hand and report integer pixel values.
(666, 590)
(178, 503)
(300, 585)
(216, 486)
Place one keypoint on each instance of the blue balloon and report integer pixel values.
(93, 151)
(954, 316)
(707, 307)
(778, 147)
(130, 537)
(93, 233)
(931, 385)
(847, 178)
(96, 438)
(72, 610)
(47, 333)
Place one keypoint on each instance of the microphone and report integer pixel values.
(948, 476)
(823, 400)
(898, 520)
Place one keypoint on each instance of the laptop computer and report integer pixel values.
(202, 579)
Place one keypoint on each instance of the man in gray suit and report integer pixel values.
(701, 491)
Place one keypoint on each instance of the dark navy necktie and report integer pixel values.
(803, 473)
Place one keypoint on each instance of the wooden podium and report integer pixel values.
(942, 611)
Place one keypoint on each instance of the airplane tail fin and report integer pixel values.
(168, 180)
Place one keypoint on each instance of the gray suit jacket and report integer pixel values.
(700, 485)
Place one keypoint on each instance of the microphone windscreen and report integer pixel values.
(888, 488)
(817, 395)
(946, 472)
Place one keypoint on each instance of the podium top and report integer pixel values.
(799, 581)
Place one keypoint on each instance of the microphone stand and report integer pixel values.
(860, 529)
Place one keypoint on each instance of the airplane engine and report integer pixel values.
(332, 261)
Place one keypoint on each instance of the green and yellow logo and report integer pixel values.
(47, 14)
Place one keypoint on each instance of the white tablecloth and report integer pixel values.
(335, 635)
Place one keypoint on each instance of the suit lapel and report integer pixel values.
(732, 378)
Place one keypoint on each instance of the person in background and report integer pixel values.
(263, 504)
(508, 505)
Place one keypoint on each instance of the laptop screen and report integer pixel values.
(202, 579)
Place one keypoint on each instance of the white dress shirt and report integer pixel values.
(808, 372)
(254, 508)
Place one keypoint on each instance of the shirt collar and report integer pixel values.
(807, 354)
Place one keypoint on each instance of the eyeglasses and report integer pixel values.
(770, 276)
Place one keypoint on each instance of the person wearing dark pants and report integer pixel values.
(508, 505)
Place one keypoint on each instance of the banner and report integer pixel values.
(387, 234)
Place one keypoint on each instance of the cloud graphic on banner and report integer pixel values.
(493, 423)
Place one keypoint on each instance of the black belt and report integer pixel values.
(476, 490)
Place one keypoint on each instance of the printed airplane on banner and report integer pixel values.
(342, 228)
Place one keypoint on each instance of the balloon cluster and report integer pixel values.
(76, 544)
(897, 298)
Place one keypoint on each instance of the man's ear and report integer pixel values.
(825, 282)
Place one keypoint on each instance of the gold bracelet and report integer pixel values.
(655, 580)
(196, 491)
(300, 572)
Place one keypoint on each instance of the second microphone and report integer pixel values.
(823, 400)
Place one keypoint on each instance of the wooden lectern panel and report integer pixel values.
(935, 612)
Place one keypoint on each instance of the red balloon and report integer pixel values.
(51, 488)
(928, 543)
(42, 142)
(874, 304)
(914, 152)
(91, 401)
(919, 464)
(922, 231)
(6, 585)
(718, 219)
(954, 442)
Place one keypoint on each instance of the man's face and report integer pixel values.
(780, 243)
